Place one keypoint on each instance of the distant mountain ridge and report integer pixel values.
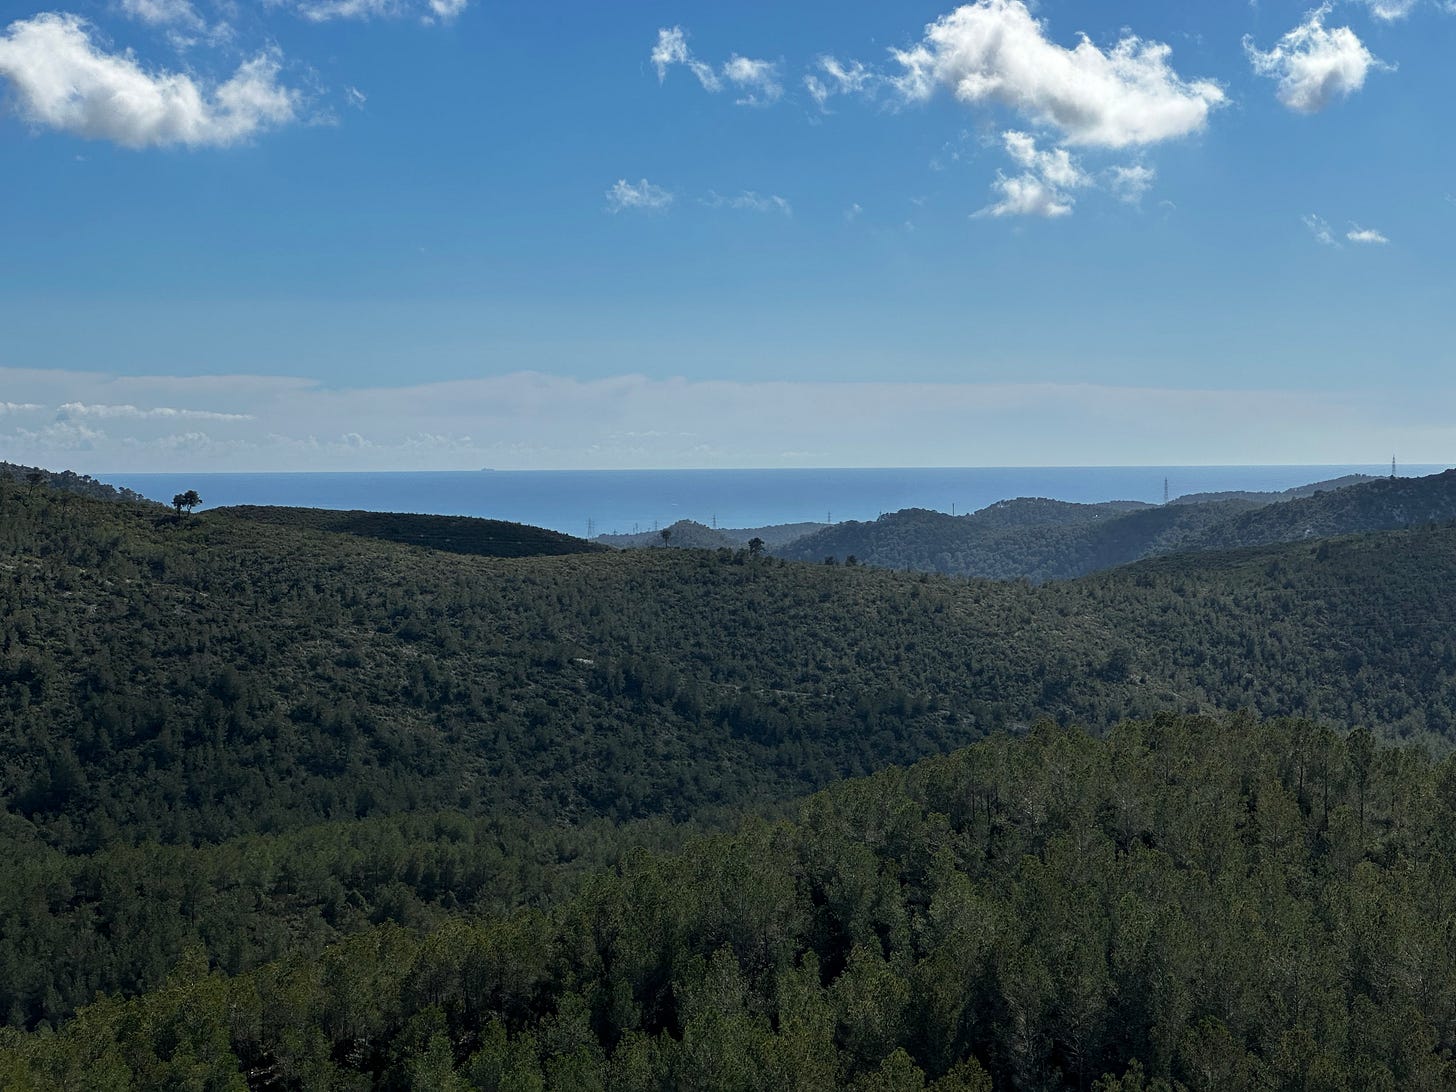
(1041, 539)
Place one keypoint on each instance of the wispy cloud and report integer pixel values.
(1365, 236)
(1043, 188)
(1131, 183)
(834, 77)
(163, 13)
(288, 423)
(1391, 10)
(72, 410)
(1314, 64)
(756, 81)
(325, 11)
(1320, 229)
(643, 195)
(61, 79)
(750, 201)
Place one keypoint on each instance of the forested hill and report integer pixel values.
(67, 481)
(175, 689)
(1051, 540)
(452, 534)
(693, 535)
(1187, 904)
(1378, 505)
(1258, 497)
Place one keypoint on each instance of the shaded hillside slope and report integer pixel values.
(1048, 540)
(452, 534)
(1034, 538)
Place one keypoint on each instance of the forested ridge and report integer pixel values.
(452, 534)
(247, 741)
(1054, 540)
(1188, 903)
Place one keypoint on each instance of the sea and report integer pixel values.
(594, 502)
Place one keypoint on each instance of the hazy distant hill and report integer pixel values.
(1284, 495)
(452, 534)
(1049, 540)
(693, 535)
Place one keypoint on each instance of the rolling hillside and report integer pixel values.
(451, 534)
(197, 713)
(1050, 540)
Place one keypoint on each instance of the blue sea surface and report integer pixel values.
(620, 501)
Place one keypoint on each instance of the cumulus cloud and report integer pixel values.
(61, 79)
(20, 407)
(994, 51)
(1314, 64)
(756, 81)
(625, 195)
(834, 77)
(1042, 188)
(1365, 236)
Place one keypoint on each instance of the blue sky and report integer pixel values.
(392, 234)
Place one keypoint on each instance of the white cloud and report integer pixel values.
(1367, 236)
(61, 80)
(355, 98)
(324, 11)
(1321, 230)
(993, 51)
(671, 49)
(750, 201)
(20, 407)
(1042, 187)
(550, 421)
(625, 195)
(834, 77)
(1314, 64)
(1131, 183)
(71, 410)
(757, 81)
(163, 13)
(1390, 10)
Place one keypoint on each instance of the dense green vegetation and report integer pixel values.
(68, 481)
(182, 694)
(452, 534)
(1053, 540)
(1189, 903)
(689, 534)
